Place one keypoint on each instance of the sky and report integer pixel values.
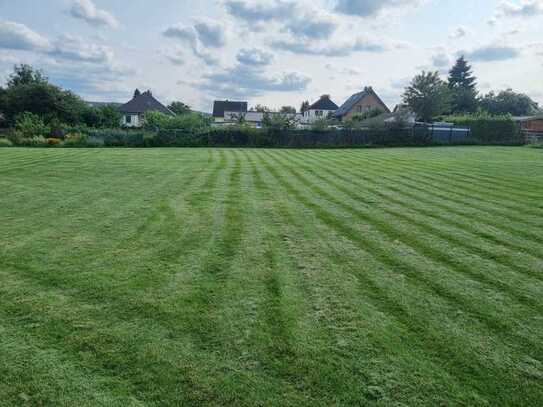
(270, 52)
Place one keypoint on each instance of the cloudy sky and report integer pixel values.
(273, 52)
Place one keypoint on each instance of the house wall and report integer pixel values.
(367, 103)
(311, 116)
(533, 125)
(135, 120)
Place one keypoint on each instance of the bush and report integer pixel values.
(29, 125)
(32, 141)
(189, 123)
(119, 138)
(488, 129)
(4, 142)
(53, 141)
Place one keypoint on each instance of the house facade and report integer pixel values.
(221, 107)
(321, 109)
(255, 119)
(530, 124)
(360, 103)
(133, 112)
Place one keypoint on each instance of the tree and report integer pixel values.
(305, 106)
(279, 121)
(287, 109)
(179, 108)
(137, 93)
(29, 91)
(110, 117)
(508, 102)
(427, 96)
(25, 75)
(2, 99)
(261, 109)
(462, 86)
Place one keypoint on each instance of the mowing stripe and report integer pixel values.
(377, 299)
(418, 245)
(494, 323)
(504, 259)
(478, 174)
(394, 308)
(482, 210)
(480, 190)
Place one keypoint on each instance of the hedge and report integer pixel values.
(487, 129)
(490, 132)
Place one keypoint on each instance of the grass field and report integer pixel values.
(271, 277)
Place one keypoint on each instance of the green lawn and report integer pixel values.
(163, 277)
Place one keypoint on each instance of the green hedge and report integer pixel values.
(486, 129)
(501, 131)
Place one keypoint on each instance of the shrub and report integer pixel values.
(189, 123)
(4, 142)
(53, 141)
(489, 129)
(119, 138)
(32, 141)
(30, 125)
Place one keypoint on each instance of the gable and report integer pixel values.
(221, 106)
(323, 104)
(361, 102)
(144, 103)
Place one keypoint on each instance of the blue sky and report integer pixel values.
(272, 52)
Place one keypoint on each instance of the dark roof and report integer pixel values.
(221, 106)
(324, 103)
(144, 103)
(357, 97)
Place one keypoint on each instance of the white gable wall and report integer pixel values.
(312, 115)
(131, 120)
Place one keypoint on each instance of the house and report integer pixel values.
(255, 119)
(322, 108)
(133, 112)
(530, 124)
(220, 107)
(360, 103)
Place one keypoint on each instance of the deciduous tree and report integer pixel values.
(427, 96)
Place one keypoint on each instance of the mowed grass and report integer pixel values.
(160, 277)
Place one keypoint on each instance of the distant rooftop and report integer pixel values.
(142, 103)
(221, 106)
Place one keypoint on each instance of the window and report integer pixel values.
(128, 119)
(318, 113)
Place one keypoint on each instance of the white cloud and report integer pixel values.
(20, 37)
(202, 35)
(210, 33)
(333, 49)
(301, 19)
(242, 81)
(458, 33)
(527, 8)
(492, 53)
(76, 49)
(440, 60)
(370, 8)
(254, 56)
(87, 11)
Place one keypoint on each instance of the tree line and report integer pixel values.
(429, 96)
